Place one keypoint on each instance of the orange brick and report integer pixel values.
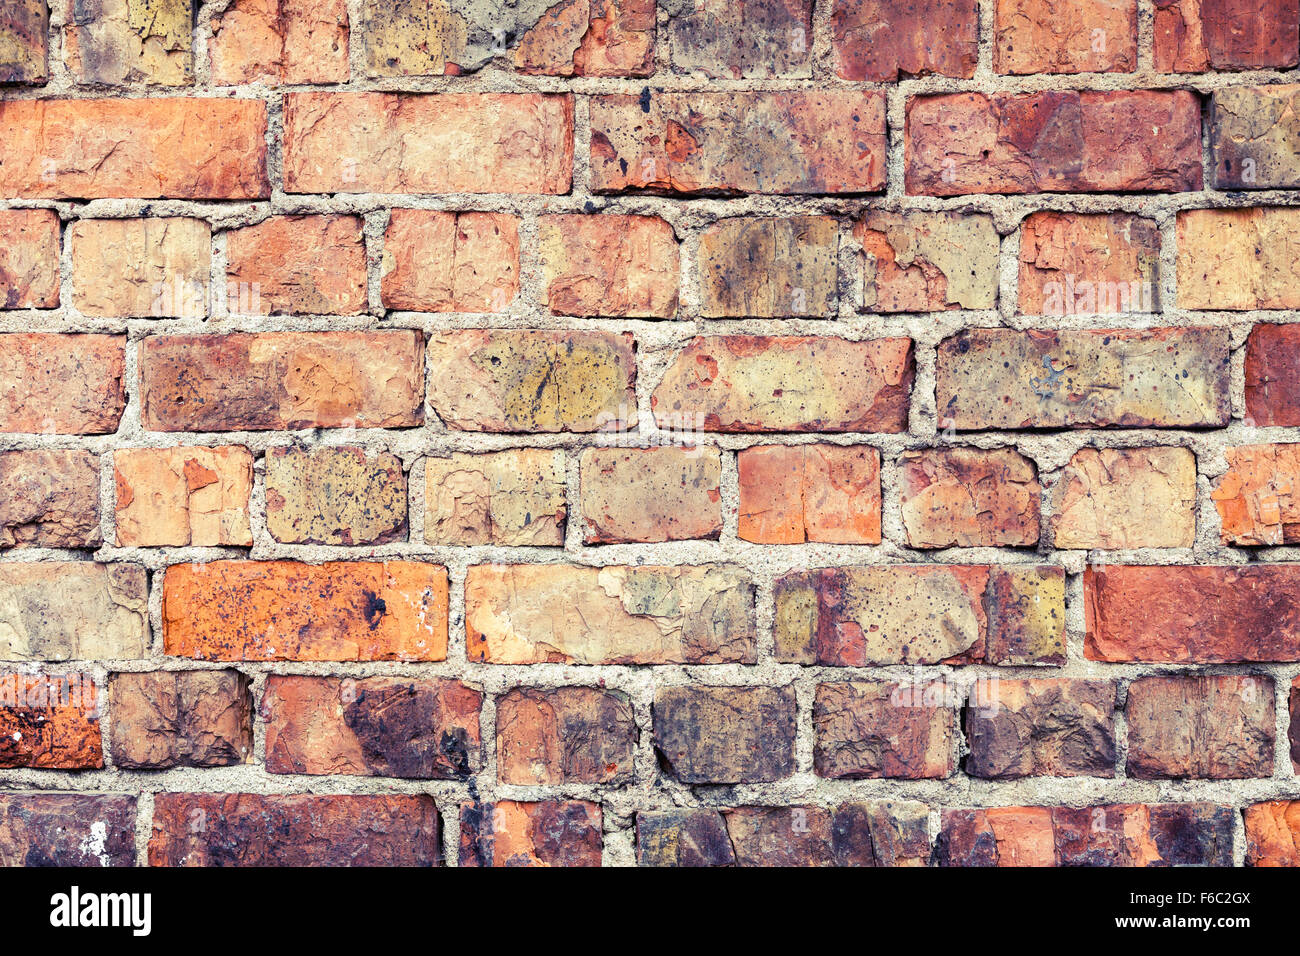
(29, 259)
(414, 143)
(650, 494)
(312, 264)
(1257, 496)
(967, 497)
(450, 262)
(284, 610)
(1068, 36)
(609, 265)
(790, 494)
(1075, 264)
(144, 148)
(183, 496)
(50, 722)
(62, 384)
(136, 268)
(280, 41)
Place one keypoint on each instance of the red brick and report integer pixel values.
(1172, 834)
(725, 734)
(876, 616)
(415, 143)
(1050, 727)
(557, 735)
(525, 380)
(280, 41)
(170, 719)
(49, 498)
(547, 833)
(650, 494)
(790, 494)
(888, 40)
(969, 497)
(1196, 35)
(1076, 264)
(50, 722)
(282, 380)
(1074, 36)
(24, 38)
(1273, 833)
(514, 497)
(609, 265)
(379, 726)
(62, 384)
(284, 610)
(314, 264)
(142, 148)
(790, 142)
(1273, 375)
(539, 613)
(1294, 712)
(738, 383)
(872, 729)
(1217, 727)
(1207, 614)
(1053, 142)
(67, 829)
(29, 260)
(1134, 378)
(252, 829)
(450, 262)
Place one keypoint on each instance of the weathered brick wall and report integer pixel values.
(850, 431)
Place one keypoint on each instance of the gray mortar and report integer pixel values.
(658, 342)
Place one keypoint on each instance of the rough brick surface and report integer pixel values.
(530, 614)
(718, 143)
(110, 148)
(725, 734)
(180, 496)
(115, 42)
(37, 369)
(249, 829)
(1053, 142)
(1252, 129)
(136, 268)
(67, 829)
(866, 616)
(1077, 36)
(50, 722)
(888, 40)
(1196, 35)
(280, 41)
(24, 39)
(60, 611)
(1117, 498)
(1234, 259)
(792, 494)
(514, 497)
(547, 833)
(1273, 375)
(769, 268)
(48, 499)
(738, 383)
(565, 735)
(29, 261)
(450, 262)
(455, 142)
(1172, 834)
(1254, 496)
(528, 381)
(872, 729)
(1219, 726)
(381, 726)
(609, 265)
(927, 261)
(340, 495)
(299, 264)
(1273, 833)
(181, 719)
(1000, 378)
(1202, 614)
(650, 494)
(279, 380)
(967, 497)
(1294, 714)
(283, 610)
(1078, 265)
(749, 39)
(1051, 727)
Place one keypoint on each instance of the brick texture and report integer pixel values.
(649, 432)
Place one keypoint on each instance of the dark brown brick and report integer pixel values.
(181, 719)
(547, 833)
(67, 829)
(725, 734)
(1053, 727)
(869, 729)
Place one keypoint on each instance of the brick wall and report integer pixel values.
(851, 431)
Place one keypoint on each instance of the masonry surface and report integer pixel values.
(813, 432)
